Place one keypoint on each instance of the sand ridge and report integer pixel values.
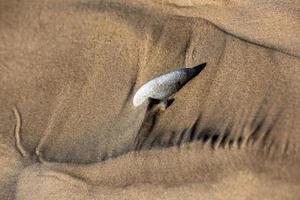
(69, 71)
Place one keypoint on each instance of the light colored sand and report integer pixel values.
(71, 69)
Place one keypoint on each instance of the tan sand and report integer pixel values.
(68, 73)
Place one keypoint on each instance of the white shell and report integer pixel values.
(165, 85)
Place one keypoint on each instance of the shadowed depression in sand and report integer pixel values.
(69, 71)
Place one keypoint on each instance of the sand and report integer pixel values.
(68, 73)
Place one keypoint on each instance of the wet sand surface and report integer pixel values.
(68, 74)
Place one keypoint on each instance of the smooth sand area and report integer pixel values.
(68, 73)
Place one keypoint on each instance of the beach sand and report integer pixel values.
(68, 73)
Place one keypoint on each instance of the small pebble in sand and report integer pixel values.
(165, 85)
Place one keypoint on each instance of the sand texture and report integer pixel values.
(69, 70)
